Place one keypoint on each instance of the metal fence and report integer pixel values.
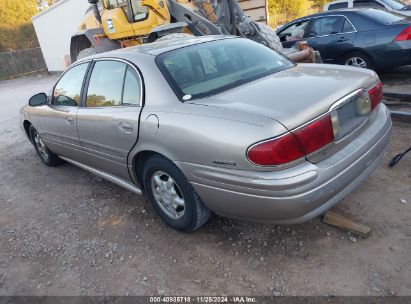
(21, 62)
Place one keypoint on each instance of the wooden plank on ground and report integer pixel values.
(342, 222)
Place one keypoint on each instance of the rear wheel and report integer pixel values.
(359, 60)
(172, 195)
(47, 157)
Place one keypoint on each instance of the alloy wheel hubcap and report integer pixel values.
(168, 195)
(357, 62)
(41, 147)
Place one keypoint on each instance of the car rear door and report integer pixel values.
(332, 35)
(57, 120)
(108, 120)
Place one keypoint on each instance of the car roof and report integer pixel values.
(339, 11)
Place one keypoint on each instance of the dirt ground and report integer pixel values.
(66, 232)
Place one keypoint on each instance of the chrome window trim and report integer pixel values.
(140, 79)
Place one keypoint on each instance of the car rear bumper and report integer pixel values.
(295, 194)
(396, 54)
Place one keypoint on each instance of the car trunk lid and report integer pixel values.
(299, 95)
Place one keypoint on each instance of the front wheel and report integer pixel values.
(47, 157)
(172, 195)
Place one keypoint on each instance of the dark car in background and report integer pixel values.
(365, 37)
(397, 6)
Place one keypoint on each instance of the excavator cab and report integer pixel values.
(126, 19)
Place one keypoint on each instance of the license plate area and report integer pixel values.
(349, 118)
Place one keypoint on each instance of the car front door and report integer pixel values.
(58, 124)
(108, 121)
(333, 36)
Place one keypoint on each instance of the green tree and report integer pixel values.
(285, 10)
(13, 13)
(16, 29)
(320, 3)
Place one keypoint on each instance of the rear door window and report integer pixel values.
(113, 83)
(326, 26)
(67, 91)
(106, 84)
(132, 88)
(348, 27)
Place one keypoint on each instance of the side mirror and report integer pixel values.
(39, 99)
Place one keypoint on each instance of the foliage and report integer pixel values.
(282, 11)
(16, 29)
(320, 3)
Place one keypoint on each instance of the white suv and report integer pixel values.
(391, 5)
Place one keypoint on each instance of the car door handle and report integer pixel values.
(342, 39)
(126, 127)
(70, 119)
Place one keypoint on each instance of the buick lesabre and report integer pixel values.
(215, 124)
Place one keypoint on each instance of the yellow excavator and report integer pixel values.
(113, 24)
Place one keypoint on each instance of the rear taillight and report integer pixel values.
(281, 150)
(376, 94)
(316, 135)
(404, 35)
(295, 145)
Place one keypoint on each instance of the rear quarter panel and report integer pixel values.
(203, 135)
(380, 46)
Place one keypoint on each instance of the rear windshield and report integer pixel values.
(209, 68)
(383, 17)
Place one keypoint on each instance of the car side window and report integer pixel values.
(67, 91)
(348, 27)
(113, 83)
(367, 3)
(339, 5)
(326, 26)
(106, 84)
(132, 89)
(298, 27)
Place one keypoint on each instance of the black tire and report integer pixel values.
(86, 52)
(47, 157)
(269, 37)
(194, 213)
(363, 58)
